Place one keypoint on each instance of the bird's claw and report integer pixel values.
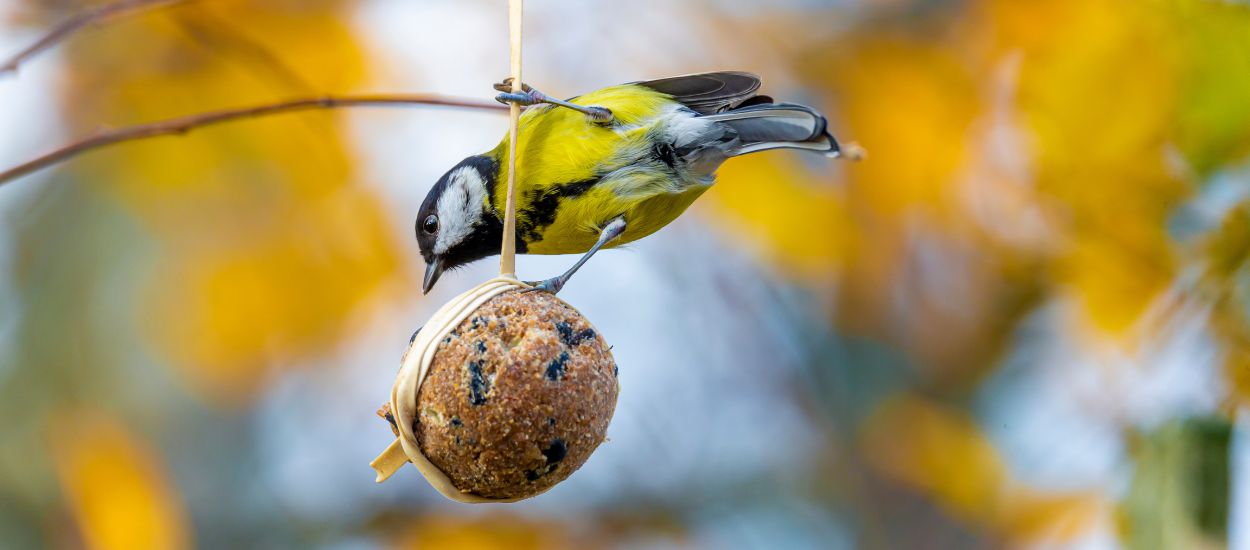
(506, 86)
(552, 285)
(599, 114)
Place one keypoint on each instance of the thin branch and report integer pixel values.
(182, 125)
(77, 22)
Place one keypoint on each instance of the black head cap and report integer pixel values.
(456, 223)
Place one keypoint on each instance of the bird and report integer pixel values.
(605, 168)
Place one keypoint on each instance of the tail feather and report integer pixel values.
(767, 126)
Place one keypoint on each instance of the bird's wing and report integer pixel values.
(709, 93)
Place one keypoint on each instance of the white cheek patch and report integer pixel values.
(459, 208)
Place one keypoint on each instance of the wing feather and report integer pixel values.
(708, 93)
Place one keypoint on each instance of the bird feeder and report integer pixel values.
(506, 391)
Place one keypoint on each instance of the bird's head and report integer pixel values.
(457, 224)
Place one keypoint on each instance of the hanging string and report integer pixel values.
(419, 358)
(507, 252)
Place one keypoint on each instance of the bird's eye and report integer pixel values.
(430, 225)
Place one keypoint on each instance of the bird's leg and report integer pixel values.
(611, 231)
(530, 96)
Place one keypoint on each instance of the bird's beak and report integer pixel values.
(432, 271)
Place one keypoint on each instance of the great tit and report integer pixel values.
(606, 168)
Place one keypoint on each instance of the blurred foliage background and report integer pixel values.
(1022, 322)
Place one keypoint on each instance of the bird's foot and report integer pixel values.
(525, 97)
(529, 96)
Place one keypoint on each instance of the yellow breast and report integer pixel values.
(570, 233)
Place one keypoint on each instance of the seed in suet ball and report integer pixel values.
(518, 396)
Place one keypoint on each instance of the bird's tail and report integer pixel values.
(767, 126)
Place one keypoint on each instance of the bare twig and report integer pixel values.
(80, 20)
(182, 125)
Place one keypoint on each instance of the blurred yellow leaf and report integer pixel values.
(1100, 104)
(268, 245)
(1034, 516)
(230, 309)
(1237, 372)
(115, 485)
(1225, 252)
(941, 452)
(910, 104)
(791, 212)
(1115, 283)
(938, 451)
(487, 532)
(1213, 122)
(1227, 248)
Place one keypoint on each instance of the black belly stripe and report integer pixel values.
(541, 206)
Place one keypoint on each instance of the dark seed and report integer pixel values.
(566, 332)
(455, 422)
(478, 386)
(555, 370)
(556, 452)
(616, 370)
(551, 421)
(554, 455)
(571, 338)
(481, 346)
